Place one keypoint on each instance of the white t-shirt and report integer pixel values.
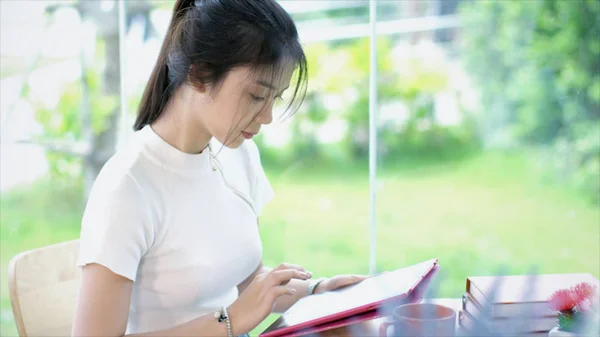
(185, 233)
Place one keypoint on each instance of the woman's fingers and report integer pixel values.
(279, 291)
(285, 266)
(282, 277)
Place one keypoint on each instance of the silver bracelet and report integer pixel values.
(228, 321)
(313, 285)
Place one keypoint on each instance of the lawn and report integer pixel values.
(479, 216)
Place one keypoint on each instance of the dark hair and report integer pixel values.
(215, 36)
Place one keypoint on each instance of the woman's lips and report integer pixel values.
(247, 135)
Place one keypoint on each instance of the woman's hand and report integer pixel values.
(257, 301)
(338, 282)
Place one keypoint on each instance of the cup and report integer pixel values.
(421, 320)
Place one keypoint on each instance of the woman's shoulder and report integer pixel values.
(120, 173)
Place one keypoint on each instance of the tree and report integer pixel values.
(537, 64)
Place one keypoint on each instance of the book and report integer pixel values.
(507, 324)
(520, 295)
(379, 293)
(473, 327)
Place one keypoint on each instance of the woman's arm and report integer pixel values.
(103, 309)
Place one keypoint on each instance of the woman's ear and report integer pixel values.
(198, 77)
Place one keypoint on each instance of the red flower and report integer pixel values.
(580, 295)
(584, 291)
(562, 300)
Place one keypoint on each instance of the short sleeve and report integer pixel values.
(262, 192)
(116, 230)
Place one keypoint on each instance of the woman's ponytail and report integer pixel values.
(158, 89)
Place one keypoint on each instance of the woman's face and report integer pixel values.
(242, 104)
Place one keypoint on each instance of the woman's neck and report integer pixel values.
(177, 126)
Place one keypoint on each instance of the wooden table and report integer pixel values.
(371, 328)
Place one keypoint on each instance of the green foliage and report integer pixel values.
(358, 65)
(63, 123)
(577, 321)
(311, 114)
(537, 65)
(565, 320)
(420, 80)
(342, 72)
(46, 206)
(529, 57)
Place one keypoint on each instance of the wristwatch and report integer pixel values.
(222, 316)
(313, 285)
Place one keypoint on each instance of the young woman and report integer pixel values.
(170, 243)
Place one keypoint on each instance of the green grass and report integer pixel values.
(478, 215)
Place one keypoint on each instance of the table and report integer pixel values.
(371, 328)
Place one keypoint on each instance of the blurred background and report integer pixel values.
(488, 132)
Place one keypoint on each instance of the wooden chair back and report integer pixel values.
(43, 285)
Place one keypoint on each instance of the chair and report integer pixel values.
(43, 285)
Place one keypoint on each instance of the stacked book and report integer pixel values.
(514, 305)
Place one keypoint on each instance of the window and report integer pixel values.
(487, 132)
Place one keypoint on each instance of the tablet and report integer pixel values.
(360, 298)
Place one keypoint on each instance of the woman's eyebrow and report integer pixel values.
(269, 85)
(266, 84)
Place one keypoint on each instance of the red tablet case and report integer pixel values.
(359, 313)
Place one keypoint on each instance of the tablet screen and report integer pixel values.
(372, 290)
